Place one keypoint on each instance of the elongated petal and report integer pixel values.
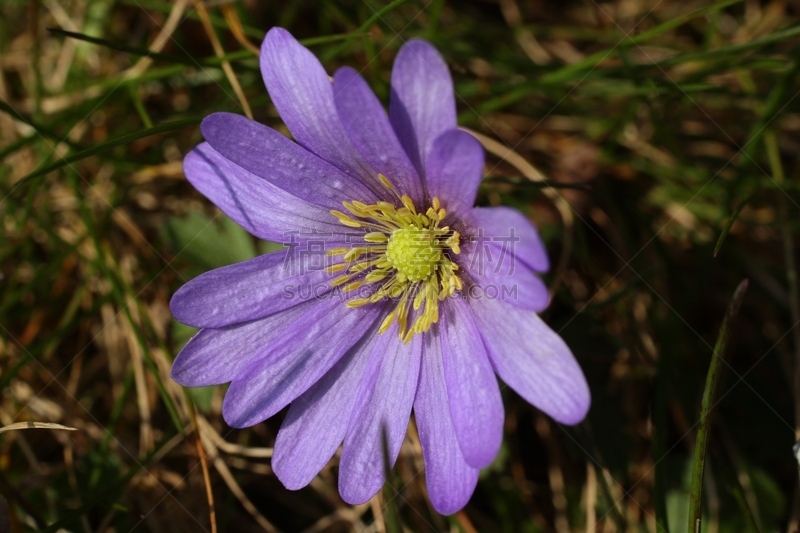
(504, 227)
(533, 360)
(295, 360)
(384, 404)
(366, 122)
(422, 104)
(476, 407)
(317, 421)
(454, 170)
(216, 356)
(251, 289)
(287, 165)
(258, 206)
(450, 480)
(303, 94)
(496, 273)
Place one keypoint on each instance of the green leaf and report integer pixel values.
(202, 396)
(208, 243)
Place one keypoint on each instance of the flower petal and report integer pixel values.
(450, 480)
(384, 404)
(366, 121)
(216, 356)
(296, 359)
(303, 94)
(422, 104)
(476, 407)
(454, 170)
(533, 360)
(252, 289)
(287, 165)
(260, 207)
(317, 421)
(507, 227)
(496, 273)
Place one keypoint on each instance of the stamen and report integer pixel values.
(375, 276)
(346, 220)
(408, 204)
(386, 322)
(388, 184)
(376, 237)
(406, 252)
(361, 267)
(336, 251)
(335, 268)
(357, 302)
(355, 253)
(335, 282)
(350, 287)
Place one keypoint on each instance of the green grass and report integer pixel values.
(673, 126)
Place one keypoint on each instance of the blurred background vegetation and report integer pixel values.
(667, 132)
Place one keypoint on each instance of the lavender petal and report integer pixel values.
(422, 104)
(384, 404)
(317, 420)
(502, 225)
(454, 170)
(296, 359)
(216, 356)
(303, 94)
(497, 273)
(251, 289)
(476, 407)
(285, 164)
(260, 207)
(533, 360)
(366, 122)
(450, 480)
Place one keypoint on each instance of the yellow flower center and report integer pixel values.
(414, 252)
(405, 256)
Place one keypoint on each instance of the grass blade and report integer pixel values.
(699, 460)
(121, 47)
(377, 15)
(659, 415)
(729, 224)
(106, 146)
(568, 72)
(391, 516)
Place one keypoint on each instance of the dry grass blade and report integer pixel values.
(234, 487)
(229, 12)
(35, 425)
(163, 37)
(345, 514)
(201, 452)
(226, 65)
(228, 447)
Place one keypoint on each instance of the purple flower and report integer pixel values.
(394, 292)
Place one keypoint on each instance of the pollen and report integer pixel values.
(406, 256)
